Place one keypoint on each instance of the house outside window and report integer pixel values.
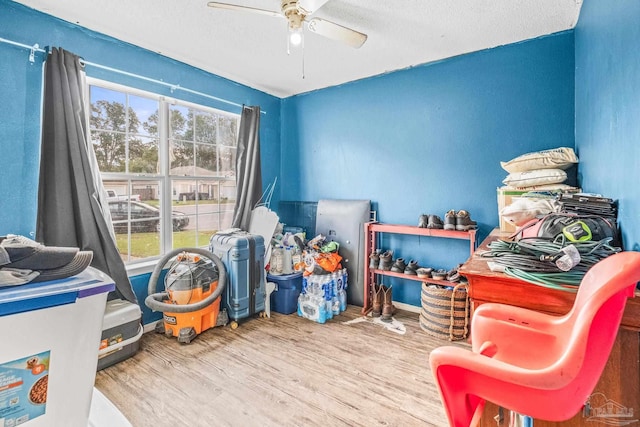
(168, 167)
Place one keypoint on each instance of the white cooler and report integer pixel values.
(49, 338)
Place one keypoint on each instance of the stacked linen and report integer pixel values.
(531, 185)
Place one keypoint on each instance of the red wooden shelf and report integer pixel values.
(372, 228)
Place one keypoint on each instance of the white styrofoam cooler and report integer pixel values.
(50, 333)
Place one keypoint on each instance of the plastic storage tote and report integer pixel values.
(284, 299)
(48, 359)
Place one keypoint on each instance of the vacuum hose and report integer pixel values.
(154, 300)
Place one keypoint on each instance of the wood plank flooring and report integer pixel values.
(282, 371)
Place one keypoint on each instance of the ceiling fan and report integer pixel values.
(297, 12)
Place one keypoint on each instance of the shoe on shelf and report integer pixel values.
(464, 221)
(385, 261)
(412, 268)
(424, 272)
(439, 274)
(398, 266)
(453, 275)
(374, 259)
(450, 220)
(435, 222)
(423, 221)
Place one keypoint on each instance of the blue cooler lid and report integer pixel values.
(35, 296)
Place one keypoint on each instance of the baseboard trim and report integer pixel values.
(407, 307)
(150, 327)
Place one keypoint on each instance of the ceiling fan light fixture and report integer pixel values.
(295, 37)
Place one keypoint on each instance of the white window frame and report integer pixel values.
(163, 177)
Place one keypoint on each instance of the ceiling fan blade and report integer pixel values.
(310, 6)
(337, 32)
(219, 5)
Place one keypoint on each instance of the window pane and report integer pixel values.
(107, 109)
(228, 130)
(110, 149)
(178, 125)
(182, 158)
(143, 155)
(135, 217)
(227, 162)
(205, 127)
(206, 160)
(146, 111)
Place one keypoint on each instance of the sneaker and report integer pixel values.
(412, 268)
(450, 220)
(434, 221)
(423, 221)
(385, 261)
(464, 222)
(399, 266)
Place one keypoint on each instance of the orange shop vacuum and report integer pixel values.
(190, 302)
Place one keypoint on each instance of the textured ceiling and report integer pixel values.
(252, 48)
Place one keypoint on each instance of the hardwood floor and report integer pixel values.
(282, 371)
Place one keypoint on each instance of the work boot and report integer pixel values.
(450, 220)
(399, 266)
(412, 268)
(374, 259)
(387, 304)
(385, 261)
(377, 300)
(464, 222)
(423, 221)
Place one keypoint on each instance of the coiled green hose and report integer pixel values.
(532, 260)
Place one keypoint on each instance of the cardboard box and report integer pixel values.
(121, 332)
(505, 198)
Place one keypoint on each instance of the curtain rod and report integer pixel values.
(169, 85)
(36, 48)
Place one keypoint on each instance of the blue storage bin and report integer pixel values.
(284, 299)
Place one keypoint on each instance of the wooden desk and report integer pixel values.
(619, 385)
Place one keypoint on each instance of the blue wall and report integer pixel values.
(422, 140)
(607, 93)
(430, 138)
(21, 88)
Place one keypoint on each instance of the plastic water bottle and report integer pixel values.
(326, 288)
(335, 302)
(342, 295)
(287, 262)
(279, 259)
(296, 258)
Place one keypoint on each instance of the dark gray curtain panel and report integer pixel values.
(248, 169)
(69, 208)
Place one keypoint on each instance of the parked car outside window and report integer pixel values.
(144, 217)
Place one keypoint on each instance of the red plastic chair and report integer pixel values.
(537, 364)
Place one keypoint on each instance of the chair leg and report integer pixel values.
(462, 409)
